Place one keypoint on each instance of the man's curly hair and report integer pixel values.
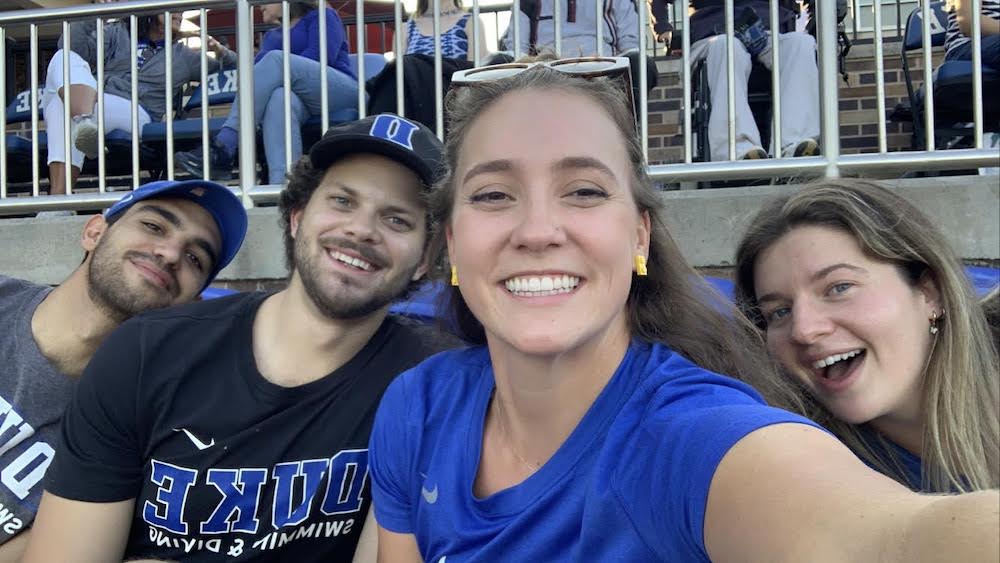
(302, 182)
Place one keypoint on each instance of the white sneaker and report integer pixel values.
(84, 133)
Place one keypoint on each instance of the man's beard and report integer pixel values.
(108, 289)
(337, 303)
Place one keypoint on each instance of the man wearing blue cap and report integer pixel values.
(158, 246)
(239, 427)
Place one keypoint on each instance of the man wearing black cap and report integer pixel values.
(158, 246)
(239, 428)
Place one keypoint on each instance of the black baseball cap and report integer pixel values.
(220, 202)
(409, 143)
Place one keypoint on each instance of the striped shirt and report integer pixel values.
(955, 38)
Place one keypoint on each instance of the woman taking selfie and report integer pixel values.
(590, 424)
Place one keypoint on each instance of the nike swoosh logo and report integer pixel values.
(202, 445)
(430, 496)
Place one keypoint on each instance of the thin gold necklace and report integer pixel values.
(533, 465)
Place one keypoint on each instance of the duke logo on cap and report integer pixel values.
(409, 143)
(393, 128)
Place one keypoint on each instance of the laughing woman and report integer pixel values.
(866, 306)
(591, 424)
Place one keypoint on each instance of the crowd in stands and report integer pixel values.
(151, 70)
(798, 80)
(269, 94)
(587, 395)
(798, 74)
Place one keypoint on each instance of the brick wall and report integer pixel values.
(858, 118)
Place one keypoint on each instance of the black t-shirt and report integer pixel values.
(223, 464)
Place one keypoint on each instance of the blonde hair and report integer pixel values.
(673, 304)
(961, 435)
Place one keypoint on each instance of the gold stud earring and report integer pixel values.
(640, 265)
(454, 276)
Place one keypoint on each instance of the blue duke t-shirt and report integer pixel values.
(629, 484)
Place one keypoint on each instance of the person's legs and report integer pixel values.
(990, 48)
(305, 100)
(117, 115)
(713, 51)
(55, 135)
(962, 52)
(267, 77)
(83, 86)
(342, 90)
(273, 129)
(799, 83)
(83, 94)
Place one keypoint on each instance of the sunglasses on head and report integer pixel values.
(616, 68)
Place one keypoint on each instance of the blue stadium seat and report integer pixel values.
(19, 145)
(216, 292)
(221, 87)
(952, 84)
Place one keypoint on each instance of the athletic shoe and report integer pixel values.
(84, 133)
(756, 153)
(193, 163)
(806, 147)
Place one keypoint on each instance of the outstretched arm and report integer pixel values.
(987, 25)
(83, 532)
(793, 493)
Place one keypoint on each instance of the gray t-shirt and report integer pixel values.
(33, 396)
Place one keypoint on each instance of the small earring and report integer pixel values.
(934, 327)
(454, 276)
(640, 265)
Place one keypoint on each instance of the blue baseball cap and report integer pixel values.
(218, 200)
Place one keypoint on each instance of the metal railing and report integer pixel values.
(832, 163)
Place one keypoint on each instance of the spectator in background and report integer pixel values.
(958, 41)
(798, 80)
(620, 35)
(158, 246)
(866, 306)
(269, 93)
(579, 35)
(117, 86)
(457, 26)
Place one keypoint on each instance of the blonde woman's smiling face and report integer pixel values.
(545, 227)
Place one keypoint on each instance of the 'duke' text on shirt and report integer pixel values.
(334, 486)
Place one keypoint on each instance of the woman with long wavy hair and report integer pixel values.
(866, 306)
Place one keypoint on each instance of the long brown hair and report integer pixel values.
(673, 304)
(961, 441)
